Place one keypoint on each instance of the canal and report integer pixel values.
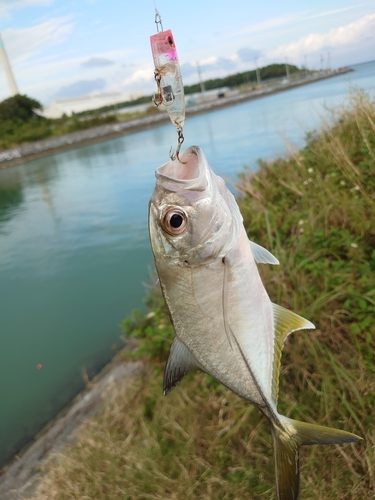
(74, 251)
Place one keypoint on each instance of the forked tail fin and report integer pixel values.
(287, 442)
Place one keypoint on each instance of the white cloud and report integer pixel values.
(140, 76)
(358, 33)
(8, 5)
(272, 23)
(335, 11)
(22, 43)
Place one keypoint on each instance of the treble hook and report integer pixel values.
(168, 97)
(180, 140)
(159, 99)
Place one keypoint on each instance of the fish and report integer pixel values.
(224, 321)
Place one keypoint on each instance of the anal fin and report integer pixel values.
(180, 362)
(285, 322)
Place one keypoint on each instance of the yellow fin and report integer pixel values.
(286, 444)
(285, 322)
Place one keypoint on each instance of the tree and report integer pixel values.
(19, 108)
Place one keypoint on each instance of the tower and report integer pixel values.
(8, 69)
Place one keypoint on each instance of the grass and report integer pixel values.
(315, 210)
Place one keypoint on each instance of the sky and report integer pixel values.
(69, 48)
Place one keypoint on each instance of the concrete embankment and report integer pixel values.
(19, 479)
(37, 149)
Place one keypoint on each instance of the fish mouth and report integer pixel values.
(188, 174)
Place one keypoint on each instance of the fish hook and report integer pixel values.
(159, 99)
(175, 156)
(168, 97)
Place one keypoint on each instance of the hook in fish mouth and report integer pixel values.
(176, 155)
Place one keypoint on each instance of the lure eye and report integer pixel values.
(170, 41)
(174, 221)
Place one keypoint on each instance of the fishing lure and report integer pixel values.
(168, 79)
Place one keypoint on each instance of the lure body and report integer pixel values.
(168, 77)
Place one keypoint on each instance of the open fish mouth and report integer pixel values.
(191, 175)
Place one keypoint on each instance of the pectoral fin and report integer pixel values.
(285, 322)
(180, 362)
(261, 255)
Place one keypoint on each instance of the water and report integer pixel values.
(74, 250)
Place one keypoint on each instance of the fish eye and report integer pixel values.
(174, 221)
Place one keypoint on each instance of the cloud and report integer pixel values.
(21, 44)
(145, 75)
(7, 5)
(358, 33)
(248, 55)
(95, 62)
(273, 23)
(188, 69)
(335, 11)
(80, 88)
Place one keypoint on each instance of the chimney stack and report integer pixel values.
(8, 69)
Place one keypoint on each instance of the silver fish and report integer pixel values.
(224, 320)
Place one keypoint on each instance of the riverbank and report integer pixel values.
(20, 478)
(314, 210)
(46, 147)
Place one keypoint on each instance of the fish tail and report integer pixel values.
(287, 441)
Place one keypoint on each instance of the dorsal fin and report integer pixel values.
(261, 255)
(285, 322)
(180, 362)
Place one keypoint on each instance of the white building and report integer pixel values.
(85, 103)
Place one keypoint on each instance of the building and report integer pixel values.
(86, 103)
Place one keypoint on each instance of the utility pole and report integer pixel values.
(257, 70)
(287, 68)
(329, 61)
(321, 62)
(305, 65)
(200, 78)
(8, 69)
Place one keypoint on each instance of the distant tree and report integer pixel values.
(19, 108)
(270, 71)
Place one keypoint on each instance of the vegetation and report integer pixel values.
(267, 72)
(314, 210)
(20, 123)
(19, 120)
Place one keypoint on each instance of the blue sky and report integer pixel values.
(65, 48)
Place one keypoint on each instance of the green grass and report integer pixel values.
(315, 210)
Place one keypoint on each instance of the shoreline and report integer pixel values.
(46, 147)
(21, 476)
